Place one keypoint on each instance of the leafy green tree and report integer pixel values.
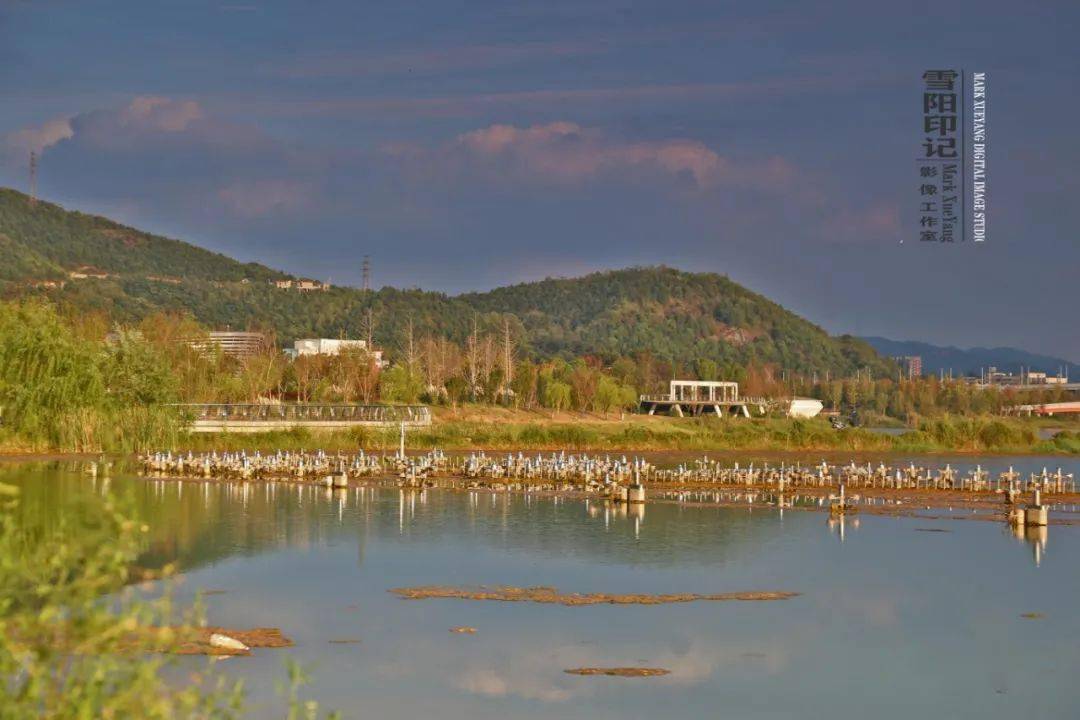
(707, 369)
(50, 380)
(136, 373)
(457, 390)
(524, 384)
(557, 395)
(399, 385)
(610, 395)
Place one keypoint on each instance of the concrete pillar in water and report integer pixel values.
(1036, 516)
(635, 494)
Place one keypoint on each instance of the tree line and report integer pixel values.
(75, 380)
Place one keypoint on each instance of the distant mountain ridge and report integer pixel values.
(676, 316)
(969, 361)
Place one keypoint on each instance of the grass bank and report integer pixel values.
(501, 429)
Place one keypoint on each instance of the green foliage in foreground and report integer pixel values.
(78, 640)
(64, 653)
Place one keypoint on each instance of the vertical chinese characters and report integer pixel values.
(939, 166)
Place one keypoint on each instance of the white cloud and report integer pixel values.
(566, 151)
(161, 113)
(36, 139)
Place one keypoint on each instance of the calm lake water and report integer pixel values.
(893, 621)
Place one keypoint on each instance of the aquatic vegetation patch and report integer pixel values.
(198, 641)
(551, 595)
(619, 671)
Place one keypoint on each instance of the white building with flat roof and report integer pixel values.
(697, 397)
(804, 407)
(333, 346)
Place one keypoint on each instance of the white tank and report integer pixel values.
(804, 408)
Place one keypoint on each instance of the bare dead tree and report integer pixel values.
(367, 327)
(441, 360)
(450, 357)
(408, 349)
(434, 355)
(508, 359)
(472, 358)
(489, 359)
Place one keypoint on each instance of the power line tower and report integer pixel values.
(366, 284)
(33, 177)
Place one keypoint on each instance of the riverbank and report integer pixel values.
(500, 429)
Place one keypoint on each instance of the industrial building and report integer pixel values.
(232, 344)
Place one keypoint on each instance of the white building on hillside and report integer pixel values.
(332, 346)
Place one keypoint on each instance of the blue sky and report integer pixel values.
(469, 145)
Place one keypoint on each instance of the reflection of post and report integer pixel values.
(1037, 537)
(638, 512)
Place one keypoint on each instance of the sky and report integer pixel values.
(465, 146)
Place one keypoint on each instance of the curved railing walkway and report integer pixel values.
(260, 417)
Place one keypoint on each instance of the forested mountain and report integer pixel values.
(969, 361)
(43, 240)
(672, 314)
(677, 317)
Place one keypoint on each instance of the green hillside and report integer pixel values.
(44, 239)
(18, 261)
(672, 314)
(675, 316)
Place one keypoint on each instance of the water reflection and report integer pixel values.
(838, 524)
(1035, 537)
(883, 609)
